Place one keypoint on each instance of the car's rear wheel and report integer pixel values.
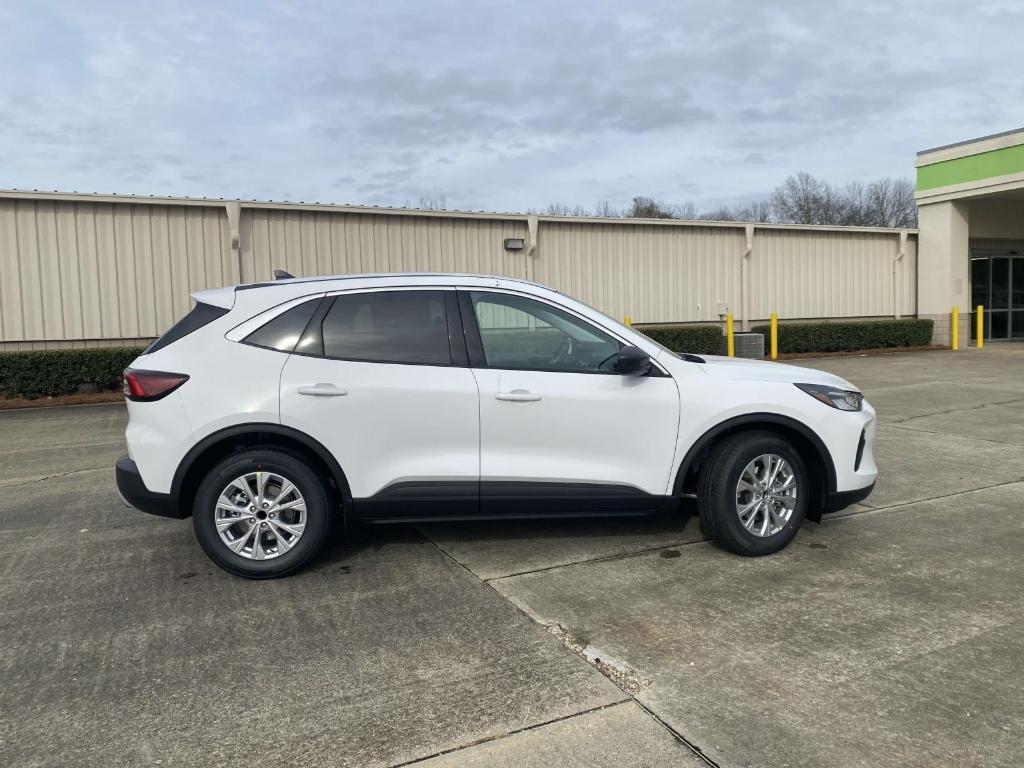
(261, 513)
(752, 493)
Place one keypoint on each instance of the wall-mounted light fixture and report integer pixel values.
(514, 243)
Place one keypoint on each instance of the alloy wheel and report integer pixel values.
(766, 495)
(260, 515)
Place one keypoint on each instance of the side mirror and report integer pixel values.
(632, 361)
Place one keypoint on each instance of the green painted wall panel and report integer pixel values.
(997, 162)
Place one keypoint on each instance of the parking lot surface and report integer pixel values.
(891, 634)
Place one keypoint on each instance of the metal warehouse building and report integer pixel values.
(100, 270)
(90, 270)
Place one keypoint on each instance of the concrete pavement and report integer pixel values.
(890, 635)
(889, 638)
(124, 645)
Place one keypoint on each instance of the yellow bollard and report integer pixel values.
(980, 325)
(775, 336)
(627, 320)
(955, 330)
(730, 344)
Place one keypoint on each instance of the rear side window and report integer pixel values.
(284, 331)
(201, 314)
(388, 327)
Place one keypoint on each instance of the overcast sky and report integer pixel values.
(500, 106)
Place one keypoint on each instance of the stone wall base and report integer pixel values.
(943, 334)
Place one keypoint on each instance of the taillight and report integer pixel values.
(150, 385)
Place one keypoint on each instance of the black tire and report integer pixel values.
(717, 488)
(289, 466)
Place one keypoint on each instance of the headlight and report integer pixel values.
(843, 399)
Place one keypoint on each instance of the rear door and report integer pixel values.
(381, 380)
(560, 431)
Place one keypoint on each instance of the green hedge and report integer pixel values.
(849, 337)
(59, 372)
(62, 371)
(698, 339)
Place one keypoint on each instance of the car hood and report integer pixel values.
(741, 369)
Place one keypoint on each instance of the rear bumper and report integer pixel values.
(134, 493)
(838, 500)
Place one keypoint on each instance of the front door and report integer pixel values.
(997, 283)
(560, 432)
(382, 383)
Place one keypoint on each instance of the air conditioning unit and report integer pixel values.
(749, 345)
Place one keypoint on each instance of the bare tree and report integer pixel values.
(722, 213)
(438, 201)
(800, 199)
(890, 202)
(555, 209)
(685, 211)
(558, 209)
(648, 208)
(855, 205)
(758, 211)
(887, 202)
(803, 199)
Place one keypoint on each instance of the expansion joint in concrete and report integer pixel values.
(490, 739)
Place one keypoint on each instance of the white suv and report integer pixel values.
(272, 409)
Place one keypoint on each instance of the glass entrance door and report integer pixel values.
(1017, 297)
(997, 283)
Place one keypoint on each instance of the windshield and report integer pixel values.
(658, 344)
(618, 324)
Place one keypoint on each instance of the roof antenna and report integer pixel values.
(280, 274)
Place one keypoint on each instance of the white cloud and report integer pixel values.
(498, 105)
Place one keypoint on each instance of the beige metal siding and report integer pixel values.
(802, 274)
(319, 243)
(77, 271)
(652, 273)
(29, 346)
(81, 270)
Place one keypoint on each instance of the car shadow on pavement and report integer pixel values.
(496, 548)
(500, 547)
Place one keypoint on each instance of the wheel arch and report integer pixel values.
(223, 442)
(811, 447)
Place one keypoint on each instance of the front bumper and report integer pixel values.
(134, 493)
(838, 500)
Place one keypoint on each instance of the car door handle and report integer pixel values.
(323, 390)
(518, 396)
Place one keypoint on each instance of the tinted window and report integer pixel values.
(1000, 283)
(200, 315)
(388, 327)
(522, 333)
(979, 282)
(283, 332)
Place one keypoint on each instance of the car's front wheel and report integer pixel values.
(261, 514)
(753, 493)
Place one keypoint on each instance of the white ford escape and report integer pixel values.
(271, 409)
